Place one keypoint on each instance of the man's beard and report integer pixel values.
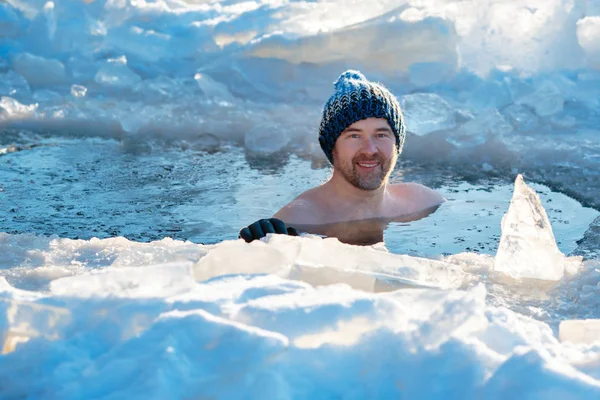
(366, 180)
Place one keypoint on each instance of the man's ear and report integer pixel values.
(333, 154)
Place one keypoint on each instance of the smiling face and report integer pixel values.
(365, 153)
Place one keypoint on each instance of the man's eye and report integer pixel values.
(355, 136)
(383, 135)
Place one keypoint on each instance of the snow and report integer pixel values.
(298, 317)
(582, 331)
(588, 30)
(154, 330)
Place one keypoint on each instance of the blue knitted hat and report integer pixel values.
(355, 99)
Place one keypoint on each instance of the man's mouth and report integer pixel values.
(368, 165)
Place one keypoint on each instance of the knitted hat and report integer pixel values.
(355, 99)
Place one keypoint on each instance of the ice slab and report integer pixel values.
(326, 261)
(330, 252)
(266, 139)
(39, 71)
(115, 73)
(527, 247)
(522, 118)
(212, 89)
(488, 122)
(580, 331)
(546, 100)
(258, 258)
(148, 281)
(426, 113)
(14, 109)
(359, 280)
(399, 44)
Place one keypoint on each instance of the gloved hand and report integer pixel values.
(261, 227)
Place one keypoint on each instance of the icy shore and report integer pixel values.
(288, 317)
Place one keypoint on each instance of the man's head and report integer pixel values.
(362, 131)
(365, 153)
(356, 98)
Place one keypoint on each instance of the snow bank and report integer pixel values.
(151, 331)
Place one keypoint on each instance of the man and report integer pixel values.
(362, 133)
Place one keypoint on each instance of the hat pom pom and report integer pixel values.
(347, 76)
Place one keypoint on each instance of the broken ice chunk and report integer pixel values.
(527, 246)
(15, 109)
(487, 122)
(580, 331)
(522, 118)
(212, 89)
(547, 100)
(38, 70)
(266, 139)
(116, 74)
(78, 91)
(426, 113)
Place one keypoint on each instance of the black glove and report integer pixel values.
(261, 227)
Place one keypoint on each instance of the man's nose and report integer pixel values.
(368, 146)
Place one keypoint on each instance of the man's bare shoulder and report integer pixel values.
(303, 210)
(421, 196)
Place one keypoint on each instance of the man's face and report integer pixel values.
(365, 153)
